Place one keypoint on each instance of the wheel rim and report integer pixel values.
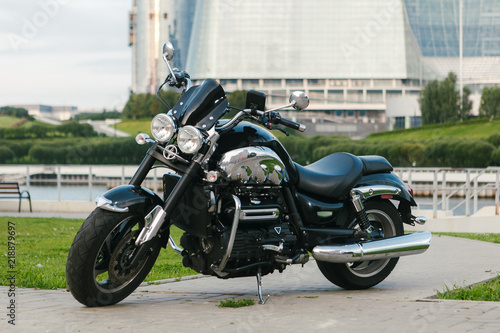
(382, 221)
(112, 271)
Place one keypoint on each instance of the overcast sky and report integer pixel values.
(65, 52)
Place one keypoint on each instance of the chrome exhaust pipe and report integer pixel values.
(393, 247)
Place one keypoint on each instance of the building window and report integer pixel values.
(350, 113)
(315, 83)
(272, 83)
(362, 113)
(360, 83)
(375, 96)
(336, 95)
(412, 92)
(278, 97)
(382, 83)
(250, 84)
(399, 123)
(355, 95)
(317, 95)
(415, 121)
(231, 84)
(339, 113)
(294, 82)
(337, 83)
(393, 93)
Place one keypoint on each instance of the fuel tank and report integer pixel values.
(253, 166)
(246, 134)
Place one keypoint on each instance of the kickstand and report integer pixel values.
(259, 287)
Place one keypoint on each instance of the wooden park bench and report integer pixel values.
(12, 191)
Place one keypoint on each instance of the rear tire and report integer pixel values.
(98, 271)
(366, 274)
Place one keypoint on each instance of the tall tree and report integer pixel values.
(490, 102)
(147, 105)
(440, 101)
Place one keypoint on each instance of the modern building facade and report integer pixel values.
(152, 22)
(350, 57)
(55, 112)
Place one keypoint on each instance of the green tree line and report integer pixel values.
(41, 131)
(72, 151)
(440, 102)
(444, 152)
(148, 105)
(15, 112)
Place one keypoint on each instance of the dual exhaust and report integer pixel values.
(393, 247)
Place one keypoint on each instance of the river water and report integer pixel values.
(82, 193)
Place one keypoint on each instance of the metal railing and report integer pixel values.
(443, 184)
(462, 187)
(84, 175)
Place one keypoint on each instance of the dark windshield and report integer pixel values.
(201, 106)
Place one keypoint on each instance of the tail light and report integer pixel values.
(411, 190)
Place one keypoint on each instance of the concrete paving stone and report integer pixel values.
(301, 300)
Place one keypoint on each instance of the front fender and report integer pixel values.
(129, 198)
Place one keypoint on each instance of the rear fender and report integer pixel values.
(386, 186)
(129, 198)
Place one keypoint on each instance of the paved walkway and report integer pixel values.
(302, 300)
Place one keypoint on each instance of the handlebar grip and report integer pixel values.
(292, 124)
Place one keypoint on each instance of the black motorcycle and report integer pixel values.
(246, 208)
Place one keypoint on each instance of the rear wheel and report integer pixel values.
(99, 270)
(384, 217)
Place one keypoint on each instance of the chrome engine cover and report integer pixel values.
(253, 166)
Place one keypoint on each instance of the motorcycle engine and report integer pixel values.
(263, 235)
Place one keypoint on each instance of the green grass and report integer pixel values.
(133, 127)
(492, 238)
(8, 121)
(232, 303)
(479, 129)
(488, 291)
(42, 247)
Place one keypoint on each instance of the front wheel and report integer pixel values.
(98, 270)
(365, 274)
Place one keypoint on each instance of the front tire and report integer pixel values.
(98, 270)
(362, 275)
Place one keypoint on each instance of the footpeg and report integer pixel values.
(419, 219)
(274, 248)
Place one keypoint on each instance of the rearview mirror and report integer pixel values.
(168, 51)
(256, 100)
(299, 100)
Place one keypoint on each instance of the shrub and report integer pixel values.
(495, 157)
(494, 139)
(6, 154)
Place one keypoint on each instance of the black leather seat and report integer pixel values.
(333, 176)
(375, 164)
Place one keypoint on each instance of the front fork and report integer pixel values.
(155, 219)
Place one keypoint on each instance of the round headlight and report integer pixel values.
(189, 139)
(162, 127)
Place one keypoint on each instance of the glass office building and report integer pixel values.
(152, 22)
(435, 24)
(350, 57)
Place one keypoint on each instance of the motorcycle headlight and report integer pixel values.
(162, 127)
(189, 139)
